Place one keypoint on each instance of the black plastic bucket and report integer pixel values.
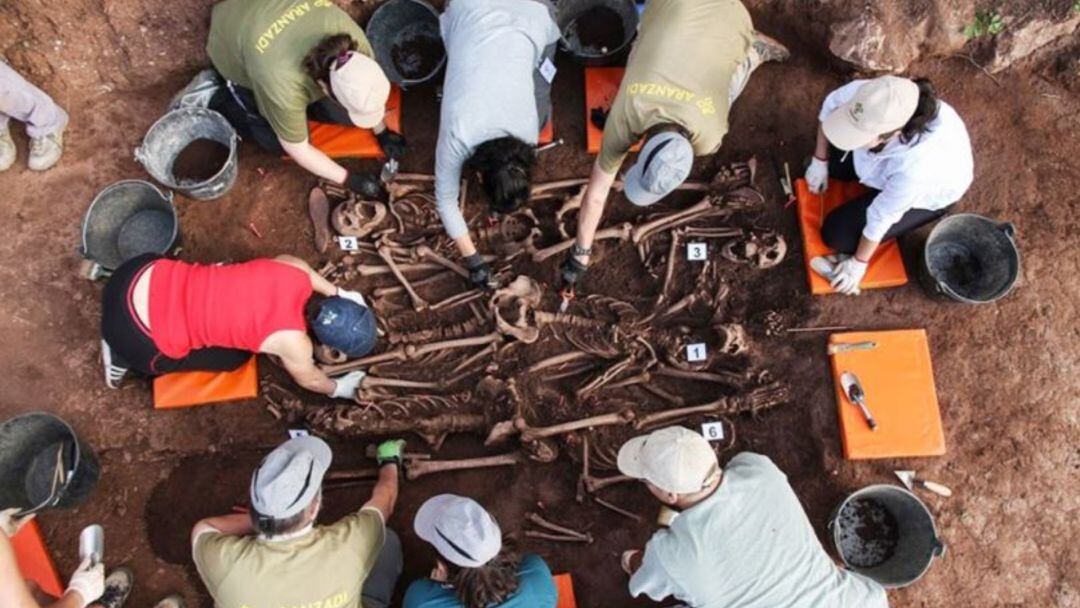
(172, 134)
(405, 37)
(126, 220)
(596, 32)
(969, 258)
(43, 464)
(897, 528)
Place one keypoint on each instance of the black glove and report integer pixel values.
(571, 271)
(392, 144)
(480, 273)
(365, 185)
(598, 117)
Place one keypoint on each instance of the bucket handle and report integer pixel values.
(140, 156)
(1009, 229)
(939, 549)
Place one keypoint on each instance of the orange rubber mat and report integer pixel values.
(186, 389)
(340, 141)
(34, 560)
(886, 267)
(564, 583)
(601, 87)
(899, 383)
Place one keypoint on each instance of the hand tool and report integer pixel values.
(857, 396)
(909, 480)
(550, 145)
(389, 171)
(835, 349)
(92, 544)
(785, 182)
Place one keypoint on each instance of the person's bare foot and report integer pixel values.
(319, 211)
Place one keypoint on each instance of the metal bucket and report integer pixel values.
(969, 258)
(569, 13)
(43, 464)
(126, 220)
(405, 37)
(917, 542)
(172, 133)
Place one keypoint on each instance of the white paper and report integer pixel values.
(695, 352)
(547, 70)
(696, 252)
(348, 243)
(713, 431)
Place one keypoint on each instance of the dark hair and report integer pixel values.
(505, 165)
(492, 583)
(925, 112)
(312, 308)
(318, 61)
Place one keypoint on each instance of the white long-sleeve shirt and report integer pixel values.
(931, 172)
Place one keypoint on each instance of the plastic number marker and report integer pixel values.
(713, 431)
(348, 243)
(695, 352)
(695, 252)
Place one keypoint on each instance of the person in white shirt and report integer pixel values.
(911, 149)
(741, 538)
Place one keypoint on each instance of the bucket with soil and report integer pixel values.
(595, 32)
(886, 533)
(405, 37)
(125, 220)
(43, 464)
(971, 259)
(192, 150)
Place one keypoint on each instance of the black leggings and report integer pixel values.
(843, 227)
(133, 348)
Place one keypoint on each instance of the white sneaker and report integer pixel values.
(45, 151)
(7, 150)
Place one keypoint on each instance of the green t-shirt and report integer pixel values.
(261, 45)
(325, 567)
(679, 72)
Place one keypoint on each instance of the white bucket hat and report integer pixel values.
(674, 459)
(460, 530)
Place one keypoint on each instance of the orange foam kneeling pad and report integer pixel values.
(186, 389)
(564, 583)
(886, 268)
(547, 134)
(341, 141)
(34, 560)
(900, 393)
(601, 87)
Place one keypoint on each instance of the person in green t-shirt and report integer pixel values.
(690, 62)
(276, 555)
(278, 63)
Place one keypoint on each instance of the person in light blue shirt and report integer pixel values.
(474, 569)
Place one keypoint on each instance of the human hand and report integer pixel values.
(353, 296)
(390, 452)
(439, 573)
(10, 524)
(847, 276)
(345, 387)
(88, 581)
(480, 274)
(630, 561)
(817, 175)
(571, 271)
(363, 184)
(392, 144)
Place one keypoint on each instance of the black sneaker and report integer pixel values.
(117, 589)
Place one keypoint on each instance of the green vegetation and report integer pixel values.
(989, 23)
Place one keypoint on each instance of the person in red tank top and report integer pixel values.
(161, 315)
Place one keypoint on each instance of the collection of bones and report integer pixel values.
(506, 366)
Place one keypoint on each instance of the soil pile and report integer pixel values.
(597, 31)
(417, 51)
(868, 533)
(199, 161)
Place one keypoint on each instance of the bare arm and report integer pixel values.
(315, 161)
(318, 282)
(592, 207)
(234, 524)
(13, 592)
(384, 496)
(298, 358)
(866, 249)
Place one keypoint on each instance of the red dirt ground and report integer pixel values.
(1006, 373)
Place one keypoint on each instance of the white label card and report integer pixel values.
(294, 433)
(348, 243)
(547, 70)
(713, 431)
(695, 352)
(696, 252)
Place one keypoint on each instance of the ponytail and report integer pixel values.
(319, 60)
(926, 111)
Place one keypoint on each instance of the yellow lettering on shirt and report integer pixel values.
(279, 25)
(652, 89)
(706, 106)
(334, 601)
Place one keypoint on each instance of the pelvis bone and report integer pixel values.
(517, 299)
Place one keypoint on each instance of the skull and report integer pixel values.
(357, 218)
(734, 338)
(518, 299)
(761, 249)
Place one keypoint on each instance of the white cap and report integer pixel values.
(361, 86)
(880, 106)
(290, 477)
(460, 529)
(663, 164)
(674, 459)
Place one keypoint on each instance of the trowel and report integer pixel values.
(849, 382)
(910, 481)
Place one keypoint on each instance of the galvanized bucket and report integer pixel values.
(971, 259)
(172, 133)
(399, 31)
(570, 12)
(125, 220)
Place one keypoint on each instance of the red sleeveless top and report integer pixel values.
(194, 306)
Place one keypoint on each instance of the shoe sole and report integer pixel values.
(319, 212)
(770, 48)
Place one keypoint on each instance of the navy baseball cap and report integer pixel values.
(346, 326)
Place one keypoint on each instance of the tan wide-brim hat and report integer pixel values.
(674, 459)
(361, 86)
(880, 106)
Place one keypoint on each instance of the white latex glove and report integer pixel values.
(817, 175)
(351, 295)
(847, 276)
(88, 581)
(10, 524)
(346, 385)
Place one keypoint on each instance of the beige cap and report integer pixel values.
(879, 106)
(674, 459)
(362, 87)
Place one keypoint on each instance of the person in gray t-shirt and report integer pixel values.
(496, 98)
(741, 538)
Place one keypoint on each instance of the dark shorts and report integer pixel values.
(130, 340)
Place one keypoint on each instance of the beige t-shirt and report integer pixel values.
(679, 72)
(325, 567)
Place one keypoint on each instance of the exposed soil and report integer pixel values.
(596, 31)
(417, 51)
(868, 533)
(199, 161)
(1007, 373)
